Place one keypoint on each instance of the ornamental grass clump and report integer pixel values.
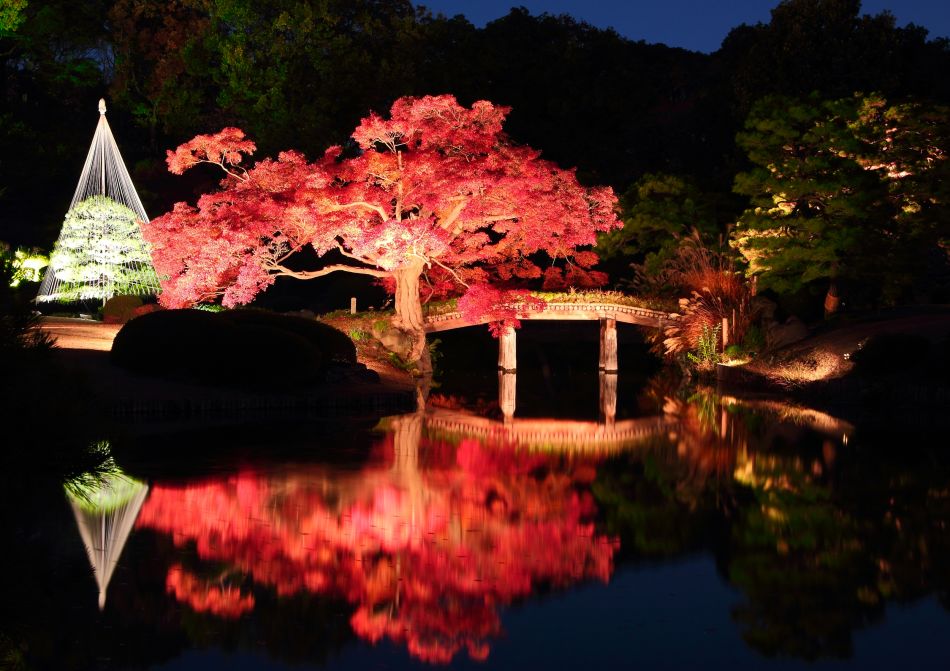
(716, 292)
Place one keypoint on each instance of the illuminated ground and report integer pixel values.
(82, 334)
(826, 355)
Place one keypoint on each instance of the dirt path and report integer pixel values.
(84, 334)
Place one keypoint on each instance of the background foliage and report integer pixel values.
(655, 122)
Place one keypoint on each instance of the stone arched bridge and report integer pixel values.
(608, 314)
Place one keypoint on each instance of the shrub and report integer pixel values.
(169, 341)
(359, 335)
(120, 309)
(20, 334)
(268, 356)
(214, 349)
(332, 343)
(735, 351)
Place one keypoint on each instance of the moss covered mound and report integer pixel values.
(333, 344)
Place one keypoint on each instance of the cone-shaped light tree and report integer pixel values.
(436, 199)
(100, 251)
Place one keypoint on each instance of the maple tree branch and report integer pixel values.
(453, 215)
(350, 255)
(451, 272)
(221, 165)
(290, 250)
(363, 204)
(280, 271)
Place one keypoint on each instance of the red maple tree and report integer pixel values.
(437, 199)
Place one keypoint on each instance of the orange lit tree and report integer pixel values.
(435, 199)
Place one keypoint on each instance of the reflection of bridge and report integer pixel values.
(550, 434)
(608, 314)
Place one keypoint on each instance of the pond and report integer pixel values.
(687, 529)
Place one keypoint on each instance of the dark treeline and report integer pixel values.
(300, 74)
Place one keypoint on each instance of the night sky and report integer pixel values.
(700, 25)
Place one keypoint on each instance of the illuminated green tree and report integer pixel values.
(100, 253)
(659, 210)
(910, 142)
(851, 189)
(813, 204)
(11, 14)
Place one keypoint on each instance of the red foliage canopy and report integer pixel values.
(437, 192)
(500, 305)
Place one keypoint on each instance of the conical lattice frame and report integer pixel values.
(112, 262)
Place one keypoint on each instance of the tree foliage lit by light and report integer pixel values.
(11, 15)
(100, 253)
(437, 200)
(849, 189)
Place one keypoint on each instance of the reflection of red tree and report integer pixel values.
(205, 597)
(426, 554)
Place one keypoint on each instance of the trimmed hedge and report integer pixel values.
(216, 349)
(334, 344)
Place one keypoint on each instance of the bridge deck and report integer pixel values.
(626, 314)
(552, 434)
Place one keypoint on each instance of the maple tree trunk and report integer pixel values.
(409, 317)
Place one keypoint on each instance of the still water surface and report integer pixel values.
(711, 532)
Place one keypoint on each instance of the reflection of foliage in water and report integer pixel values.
(798, 559)
(426, 551)
(103, 485)
(816, 536)
(642, 502)
(818, 539)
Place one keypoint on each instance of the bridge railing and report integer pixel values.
(552, 311)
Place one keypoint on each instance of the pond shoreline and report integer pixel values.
(126, 398)
(819, 372)
(129, 398)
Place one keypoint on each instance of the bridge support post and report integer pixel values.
(608, 398)
(507, 387)
(507, 350)
(608, 345)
